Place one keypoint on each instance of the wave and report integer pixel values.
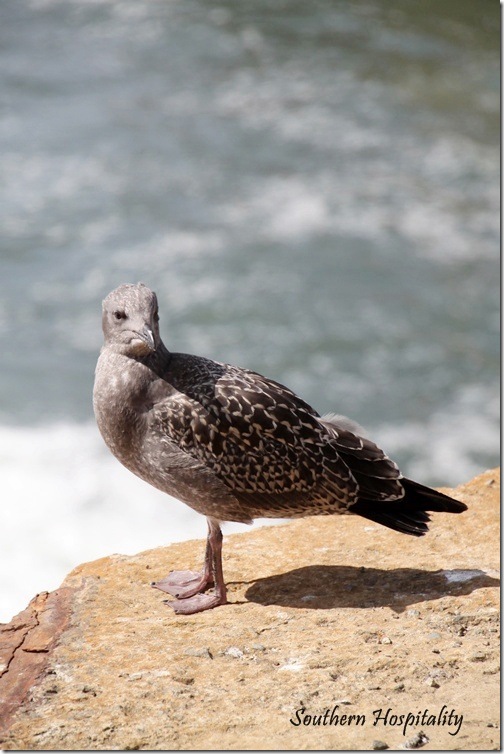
(452, 445)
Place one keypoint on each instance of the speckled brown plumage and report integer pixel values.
(234, 445)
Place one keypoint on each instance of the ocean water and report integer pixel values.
(311, 188)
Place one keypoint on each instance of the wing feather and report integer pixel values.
(271, 448)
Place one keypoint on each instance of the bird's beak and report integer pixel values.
(147, 338)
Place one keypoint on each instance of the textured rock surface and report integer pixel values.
(324, 612)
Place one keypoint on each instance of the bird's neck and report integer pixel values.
(120, 398)
(120, 385)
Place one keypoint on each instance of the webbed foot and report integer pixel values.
(183, 584)
(189, 586)
(196, 604)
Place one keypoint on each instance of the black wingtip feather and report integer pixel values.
(394, 516)
(408, 515)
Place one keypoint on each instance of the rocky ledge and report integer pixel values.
(338, 635)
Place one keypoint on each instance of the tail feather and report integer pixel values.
(408, 515)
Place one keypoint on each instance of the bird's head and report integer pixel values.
(130, 320)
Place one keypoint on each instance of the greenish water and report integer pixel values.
(311, 188)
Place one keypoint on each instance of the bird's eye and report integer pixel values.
(119, 314)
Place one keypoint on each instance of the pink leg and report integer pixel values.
(189, 586)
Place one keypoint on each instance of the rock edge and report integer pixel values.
(323, 611)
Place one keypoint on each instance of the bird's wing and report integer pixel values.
(272, 449)
(378, 477)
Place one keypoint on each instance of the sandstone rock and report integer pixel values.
(102, 663)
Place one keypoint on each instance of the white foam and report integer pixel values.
(51, 476)
(65, 501)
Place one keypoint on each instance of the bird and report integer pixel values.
(235, 445)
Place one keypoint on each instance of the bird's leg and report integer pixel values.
(197, 602)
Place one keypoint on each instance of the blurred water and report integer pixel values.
(313, 192)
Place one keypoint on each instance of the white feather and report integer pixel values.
(343, 422)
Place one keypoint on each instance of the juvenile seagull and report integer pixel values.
(234, 445)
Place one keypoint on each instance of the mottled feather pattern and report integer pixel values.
(267, 445)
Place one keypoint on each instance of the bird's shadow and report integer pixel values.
(323, 587)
